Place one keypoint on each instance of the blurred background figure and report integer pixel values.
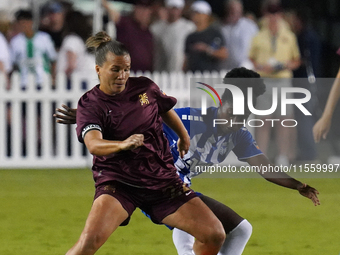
(170, 35)
(205, 48)
(73, 56)
(323, 125)
(53, 20)
(133, 31)
(310, 50)
(5, 59)
(275, 53)
(31, 51)
(238, 32)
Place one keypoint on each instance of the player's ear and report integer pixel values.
(97, 69)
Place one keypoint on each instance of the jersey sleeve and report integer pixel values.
(165, 103)
(245, 145)
(338, 52)
(88, 118)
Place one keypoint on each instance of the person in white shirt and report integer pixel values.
(5, 60)
(238, 33)
(73, 56)
(170, 37)
(31, 51)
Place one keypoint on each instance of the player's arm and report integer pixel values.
(322, 126)
(65, 115)
(171, 119)
(100, 147)
(283, 179)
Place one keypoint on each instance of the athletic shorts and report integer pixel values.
(156, 203)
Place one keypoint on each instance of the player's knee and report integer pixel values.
(218, 236)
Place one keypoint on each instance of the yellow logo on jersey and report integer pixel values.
(143, 98)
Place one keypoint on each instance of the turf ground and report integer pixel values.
(44, 211)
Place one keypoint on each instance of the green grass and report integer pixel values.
(44, 211)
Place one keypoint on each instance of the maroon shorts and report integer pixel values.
(156, 203)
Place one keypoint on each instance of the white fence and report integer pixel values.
(56, 146)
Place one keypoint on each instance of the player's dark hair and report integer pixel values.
(23, 15)
(243, 78)
(102, 43)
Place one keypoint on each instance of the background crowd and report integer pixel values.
(274, 38)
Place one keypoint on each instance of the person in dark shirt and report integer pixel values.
(120, 121)
(133, 31)
(205, 48)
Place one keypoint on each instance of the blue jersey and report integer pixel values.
(206, 146)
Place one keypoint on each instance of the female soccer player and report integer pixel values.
(120, 122)
(211, 146)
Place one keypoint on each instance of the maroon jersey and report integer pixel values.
(133, 111)
(338, 52)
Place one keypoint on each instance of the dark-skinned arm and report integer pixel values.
(283, 179)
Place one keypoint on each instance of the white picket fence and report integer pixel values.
(58, 149)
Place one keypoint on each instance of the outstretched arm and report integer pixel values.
(283, 179)
(322, 126)
(174, 122)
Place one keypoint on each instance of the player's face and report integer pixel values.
(114, 73)
(235, 122)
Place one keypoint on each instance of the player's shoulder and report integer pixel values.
(243, 134)
(140, 81)
(89, 98)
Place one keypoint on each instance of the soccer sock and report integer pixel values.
(237, 239)
(183, 242)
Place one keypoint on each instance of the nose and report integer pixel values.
(121, 75)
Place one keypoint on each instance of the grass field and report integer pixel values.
(44, 211)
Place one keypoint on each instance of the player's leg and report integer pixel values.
(105, 216)
(238, 230)
(198, 220)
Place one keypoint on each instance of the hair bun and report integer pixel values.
(98, 40)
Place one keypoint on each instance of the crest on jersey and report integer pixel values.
(143, 98)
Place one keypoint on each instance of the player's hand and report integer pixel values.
(183, 147)
(309, 192)
(132, 142)
(66, 115)
(321, 129)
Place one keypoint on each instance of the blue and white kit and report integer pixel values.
(206, 146)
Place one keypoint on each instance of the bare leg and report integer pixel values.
(195, 218)
(105, 216)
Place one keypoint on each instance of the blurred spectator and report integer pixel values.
(205, 48)
(323, 125)
(238, 33)
(5, 23)
(73, 56)
(32, 51)
(5, 60)
(275, 53)
(170, 37)
(52, 22)
(310, 49)
(11, 6)
(133, 31)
